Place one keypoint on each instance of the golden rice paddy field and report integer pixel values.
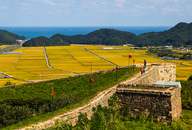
(182, 62)
(28, 66)
(33, 62)
(4, 46)
(1, 75)
(69, 60)
(75, 59)
(182, 51)
(120, 56)
(183, 67)
(7, 66)
(134, 50)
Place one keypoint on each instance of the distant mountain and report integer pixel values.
(102, 36)
(7, 38)
(179, 35)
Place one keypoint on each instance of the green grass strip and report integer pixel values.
(37, 94)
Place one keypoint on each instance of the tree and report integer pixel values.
(190, 78)
(8, 83)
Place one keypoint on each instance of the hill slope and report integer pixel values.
(102, 36)
(179, 35)
(7, 38)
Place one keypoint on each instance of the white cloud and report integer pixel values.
(144, 7)
(175, 1)
(4, 15)
(161, 1)
(100, 11)
(23, 4)
(3, 7)
(120, 1)
(119, 5)
(168, 9)
(49, 2)
(189, 8)
(154, 1)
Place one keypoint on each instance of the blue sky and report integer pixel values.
(94, 12)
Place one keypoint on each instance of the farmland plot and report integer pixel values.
(75, 59)
(7, 66)
(182, 62)
(183, 67)
(67, 60)
(183, 72)
(120, 56)
(33, 62)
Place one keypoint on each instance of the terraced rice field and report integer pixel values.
(182, 51)
(1, 75)
(134, 50)
(7, 66)
(70, 60)
(183, 72)
(28, 66)
(4, 46)
(34, 63)
(120, 56)
(75, 59)
(182, 62)
(13, 81)
(183, 67)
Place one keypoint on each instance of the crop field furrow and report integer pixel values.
(183, 67)
(121, 57)
(8, 63)
(100, 57)
(59, 58)
(117, 56)
(33, 63)
(85, 58)
(75, 59)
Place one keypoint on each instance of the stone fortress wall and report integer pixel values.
(155, 72)
(164, 103)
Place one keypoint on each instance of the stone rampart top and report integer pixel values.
(147, 89)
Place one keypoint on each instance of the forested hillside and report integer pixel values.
(102, 36)
(179, 35)
(7, 38)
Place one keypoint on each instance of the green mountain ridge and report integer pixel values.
(8, 38)
(179, 35)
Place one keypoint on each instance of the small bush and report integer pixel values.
(190, 78)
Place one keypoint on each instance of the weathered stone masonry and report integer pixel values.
(158, 72)
(163, 104)
(140, 101)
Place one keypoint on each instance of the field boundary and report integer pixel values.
(155, 57)
(73, 57)
(100, 57)
(48, 63)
